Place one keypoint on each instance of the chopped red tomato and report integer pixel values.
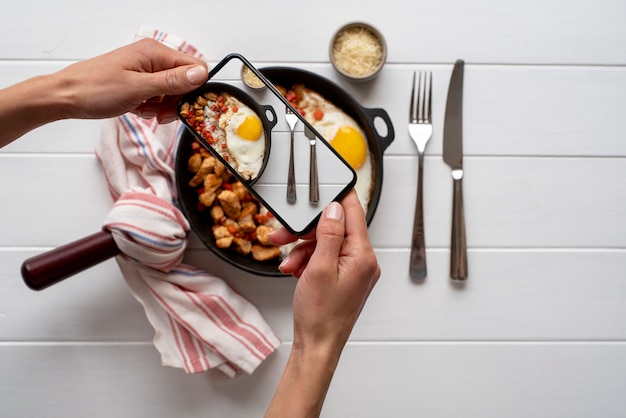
(291, 96)
(260, 219)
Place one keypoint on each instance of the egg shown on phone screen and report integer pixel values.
(342, 132)
(245, 140)
(232, 129)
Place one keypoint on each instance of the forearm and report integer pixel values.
(303, 385)
(31, 104)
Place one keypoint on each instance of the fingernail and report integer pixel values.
(269, 237)
(282, 263)
(197, 75)
(334, 211)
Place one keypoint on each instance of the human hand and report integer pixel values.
(337, 269)
(145, 77)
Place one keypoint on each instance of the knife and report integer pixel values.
(453, 156)
(314, 188)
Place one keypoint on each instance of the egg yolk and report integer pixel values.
(350, 144)
(250, 129)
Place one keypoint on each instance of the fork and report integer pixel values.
(292, 120)
(420, 131)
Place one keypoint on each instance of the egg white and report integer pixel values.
(247, 156)
(333, 119)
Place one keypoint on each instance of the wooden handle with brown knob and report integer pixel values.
(44, 270)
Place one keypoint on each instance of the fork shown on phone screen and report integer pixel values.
(292, 120)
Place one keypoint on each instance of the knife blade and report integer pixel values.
(453, 156)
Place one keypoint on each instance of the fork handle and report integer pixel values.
(291, 175)
(417, 266)
(458, 246)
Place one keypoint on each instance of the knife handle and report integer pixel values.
(458, 246)
(314, 188)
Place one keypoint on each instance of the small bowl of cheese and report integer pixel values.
(358, 51)
(250, 79)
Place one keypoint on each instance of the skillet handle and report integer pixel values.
(383, 141)
(273, 120)
(46, 269)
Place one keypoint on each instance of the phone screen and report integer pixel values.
(259, 151)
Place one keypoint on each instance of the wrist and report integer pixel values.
(29, 105)
(45, 98)
(57, 99)
(320, 358)
(320, 351)
(304, 383)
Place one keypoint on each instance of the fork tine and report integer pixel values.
(428, 98)
(422, 98)
(421, 110)
(414, 102)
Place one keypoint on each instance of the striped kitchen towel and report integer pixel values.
(200, 322)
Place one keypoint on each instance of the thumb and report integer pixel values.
(330, 233)
(178, 80)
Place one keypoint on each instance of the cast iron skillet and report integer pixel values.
(285, 76)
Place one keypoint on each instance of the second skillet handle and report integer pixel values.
(46, 269)
(374, 113)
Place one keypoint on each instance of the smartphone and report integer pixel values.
(321, 174)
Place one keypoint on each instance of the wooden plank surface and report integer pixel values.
(533, 32)
(510, 201)
(403, 380)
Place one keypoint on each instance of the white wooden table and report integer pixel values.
(538, 330)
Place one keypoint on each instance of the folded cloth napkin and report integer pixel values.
(200, 322)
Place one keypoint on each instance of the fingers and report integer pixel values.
(330, 233)
(165, 71)
(338, 221)
(161, 57)
(281, 236)
(355, 217)
(298, 258)
(352, 207)
(174, 81)
(164, 110)
(169, 85)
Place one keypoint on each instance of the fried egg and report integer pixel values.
(344, 134)
(239, 135)
(245, 141)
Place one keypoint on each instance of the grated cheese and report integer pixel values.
(250, 79)
(357, 51)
